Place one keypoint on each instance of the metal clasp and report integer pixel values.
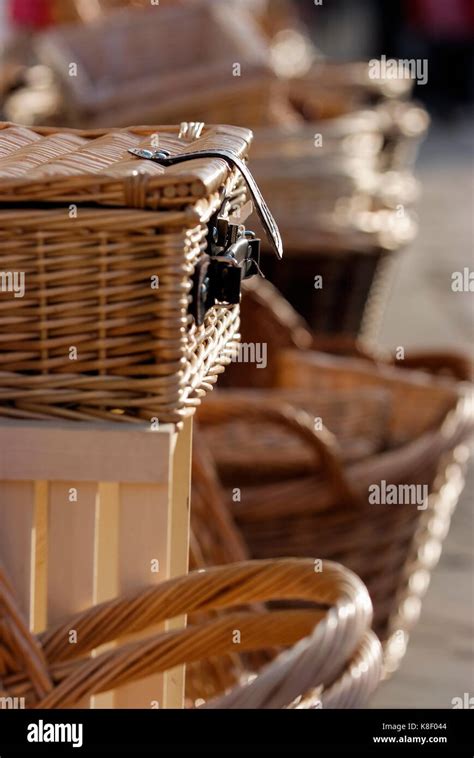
(233, 255)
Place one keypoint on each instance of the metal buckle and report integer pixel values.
(233, 255)
(164, 158)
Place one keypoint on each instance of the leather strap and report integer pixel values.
(268, 222)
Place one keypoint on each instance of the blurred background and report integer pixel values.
(376, 236)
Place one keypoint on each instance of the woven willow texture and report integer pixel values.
(108, 244)
(304, 491)
(332, 657)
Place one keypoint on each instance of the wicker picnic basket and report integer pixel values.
(334, 661)
(303, 487)
(161, 65)
(122, 314)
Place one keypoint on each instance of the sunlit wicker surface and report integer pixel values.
(334, 660)
(318, 501)
(91, 227)
(174, 63)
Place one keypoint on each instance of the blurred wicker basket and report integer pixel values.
(162, 65)
(404, 129)
(353, 135)
(92, 227)
(303, 488)
(356, 417)
(341, 191)
(326, 510)
(353, 253)
(269, 320)
(354, 160)
(307, 169)
(336, 662)
(332, 89)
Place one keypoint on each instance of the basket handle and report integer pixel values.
(321, 441)
(207, 511)
(329, 635)
(448, 362)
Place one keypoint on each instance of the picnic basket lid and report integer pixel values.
(54, 164)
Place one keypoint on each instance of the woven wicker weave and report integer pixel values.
(162, 64)
(336, 662)
(337, 189)
(414, 416)
(327, 511)
(356, 417)
(330, 91)
(333, 89)
(90, 225)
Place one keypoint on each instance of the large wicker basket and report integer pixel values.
(343, 210)
(108, 244)
(181, 62)
(332, 89)
(304, 448)
(318, 502)
(336, 662)
(353, 253)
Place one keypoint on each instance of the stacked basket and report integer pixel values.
(342, 188)
(300, 460)
(115, 323)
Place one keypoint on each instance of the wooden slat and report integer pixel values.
(106, 562)
(143, 537)
(71, 547)
(70, 550)
(106, 542)
(178, 548)
(17, 514)
(39, 579)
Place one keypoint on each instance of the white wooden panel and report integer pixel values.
(143, 538)
(66, 451)
(132, 508)
(71, 548)
(178, 548)
(17, 513)
(106, 563)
